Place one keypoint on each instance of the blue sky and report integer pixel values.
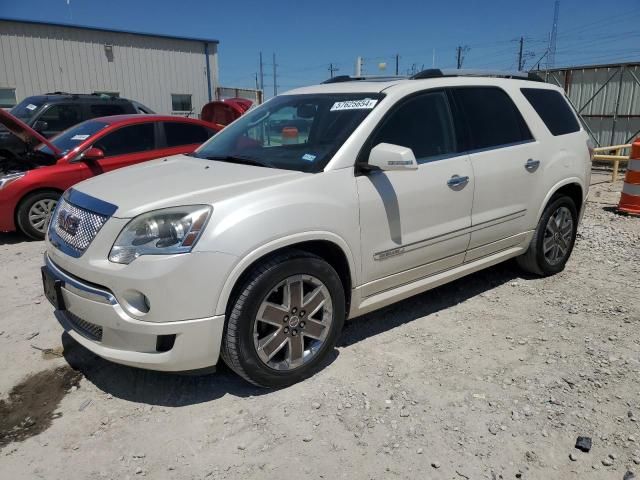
(306, 36)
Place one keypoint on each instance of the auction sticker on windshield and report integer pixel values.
(80, 137)
(363, 104)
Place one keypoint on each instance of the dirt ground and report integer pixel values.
(490, 377)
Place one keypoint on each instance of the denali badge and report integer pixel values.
(68, 222)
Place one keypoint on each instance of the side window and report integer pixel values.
(60, 117)
(181, 102)
(104, 110)
(179, 133)
(553, 109)
(422, 124)
(492, 117)
(131, 139)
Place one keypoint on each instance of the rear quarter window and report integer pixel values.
(493, 120)
(553, 109)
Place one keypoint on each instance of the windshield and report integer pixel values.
(293, 132)
(27, 109)
(71, 138)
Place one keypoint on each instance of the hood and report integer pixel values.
(179, 180)
(24, 132)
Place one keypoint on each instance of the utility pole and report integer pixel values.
(275, 85)
(359, 64)
(460, 51)
(397, 63)
(551, 57)
(257, 84)
(261, 74)
(520, 64)
(433, 59)
(332, 69)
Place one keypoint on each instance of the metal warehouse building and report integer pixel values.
(166, 73)
(606, 96)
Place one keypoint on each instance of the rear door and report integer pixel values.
(415, 223)
(506, 166)
(183, 137)
(128, 145)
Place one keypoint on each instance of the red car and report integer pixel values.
(30, 186)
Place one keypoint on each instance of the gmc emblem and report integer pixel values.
(68, 222)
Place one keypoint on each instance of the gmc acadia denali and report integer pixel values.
(322, 204)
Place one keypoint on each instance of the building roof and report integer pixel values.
(589, 67)
(112, 30)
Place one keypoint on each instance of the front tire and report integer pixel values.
(34, 213)
(553, 239)
(284, 320)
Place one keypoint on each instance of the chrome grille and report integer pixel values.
(84, 328)
(76, 226)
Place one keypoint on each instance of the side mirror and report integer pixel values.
(93, 154)
(386, 156)
(40, 126)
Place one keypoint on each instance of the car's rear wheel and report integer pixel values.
(34, 213)
(285, 318)
(553, 239)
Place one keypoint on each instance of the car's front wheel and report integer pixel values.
(34, 213)
(553, 239)
(284, 319)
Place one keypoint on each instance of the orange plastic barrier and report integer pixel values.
(630, 198)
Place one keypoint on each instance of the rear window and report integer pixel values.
(491, 116)
(553, 109)
(178, 133)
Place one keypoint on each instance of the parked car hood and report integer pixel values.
(24, 132)
(179, 180)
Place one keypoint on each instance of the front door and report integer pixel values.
(126, 146)
(415, 223)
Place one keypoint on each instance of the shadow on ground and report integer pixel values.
(175, 390)
(13, 238)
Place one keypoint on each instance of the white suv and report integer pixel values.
(322, 204)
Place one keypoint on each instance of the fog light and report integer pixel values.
(136, 302)
(164, 343)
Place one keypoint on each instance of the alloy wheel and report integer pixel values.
(557, 236)
(293, 322)
(40, 213)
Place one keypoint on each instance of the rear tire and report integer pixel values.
(269, 339)
(553, 238)
(34, 213)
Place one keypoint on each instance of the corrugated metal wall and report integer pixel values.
(607, 97)
(36, 59)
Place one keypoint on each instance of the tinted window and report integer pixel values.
(135, 138)
(491, 116)
(185, 134)
(553, 109)
(60, 117)
(106, 110)
(422, 124)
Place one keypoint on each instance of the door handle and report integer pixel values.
(456, 181)
(532, 165)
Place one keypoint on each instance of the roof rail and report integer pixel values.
(367, 78)
(438, 73)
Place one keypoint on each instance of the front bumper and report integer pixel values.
(95, 319)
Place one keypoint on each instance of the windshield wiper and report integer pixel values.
(238, 159)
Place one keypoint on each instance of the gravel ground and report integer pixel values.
(493, 376)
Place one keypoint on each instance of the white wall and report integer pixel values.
(35, 59)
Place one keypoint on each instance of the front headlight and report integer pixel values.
(161, 232)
